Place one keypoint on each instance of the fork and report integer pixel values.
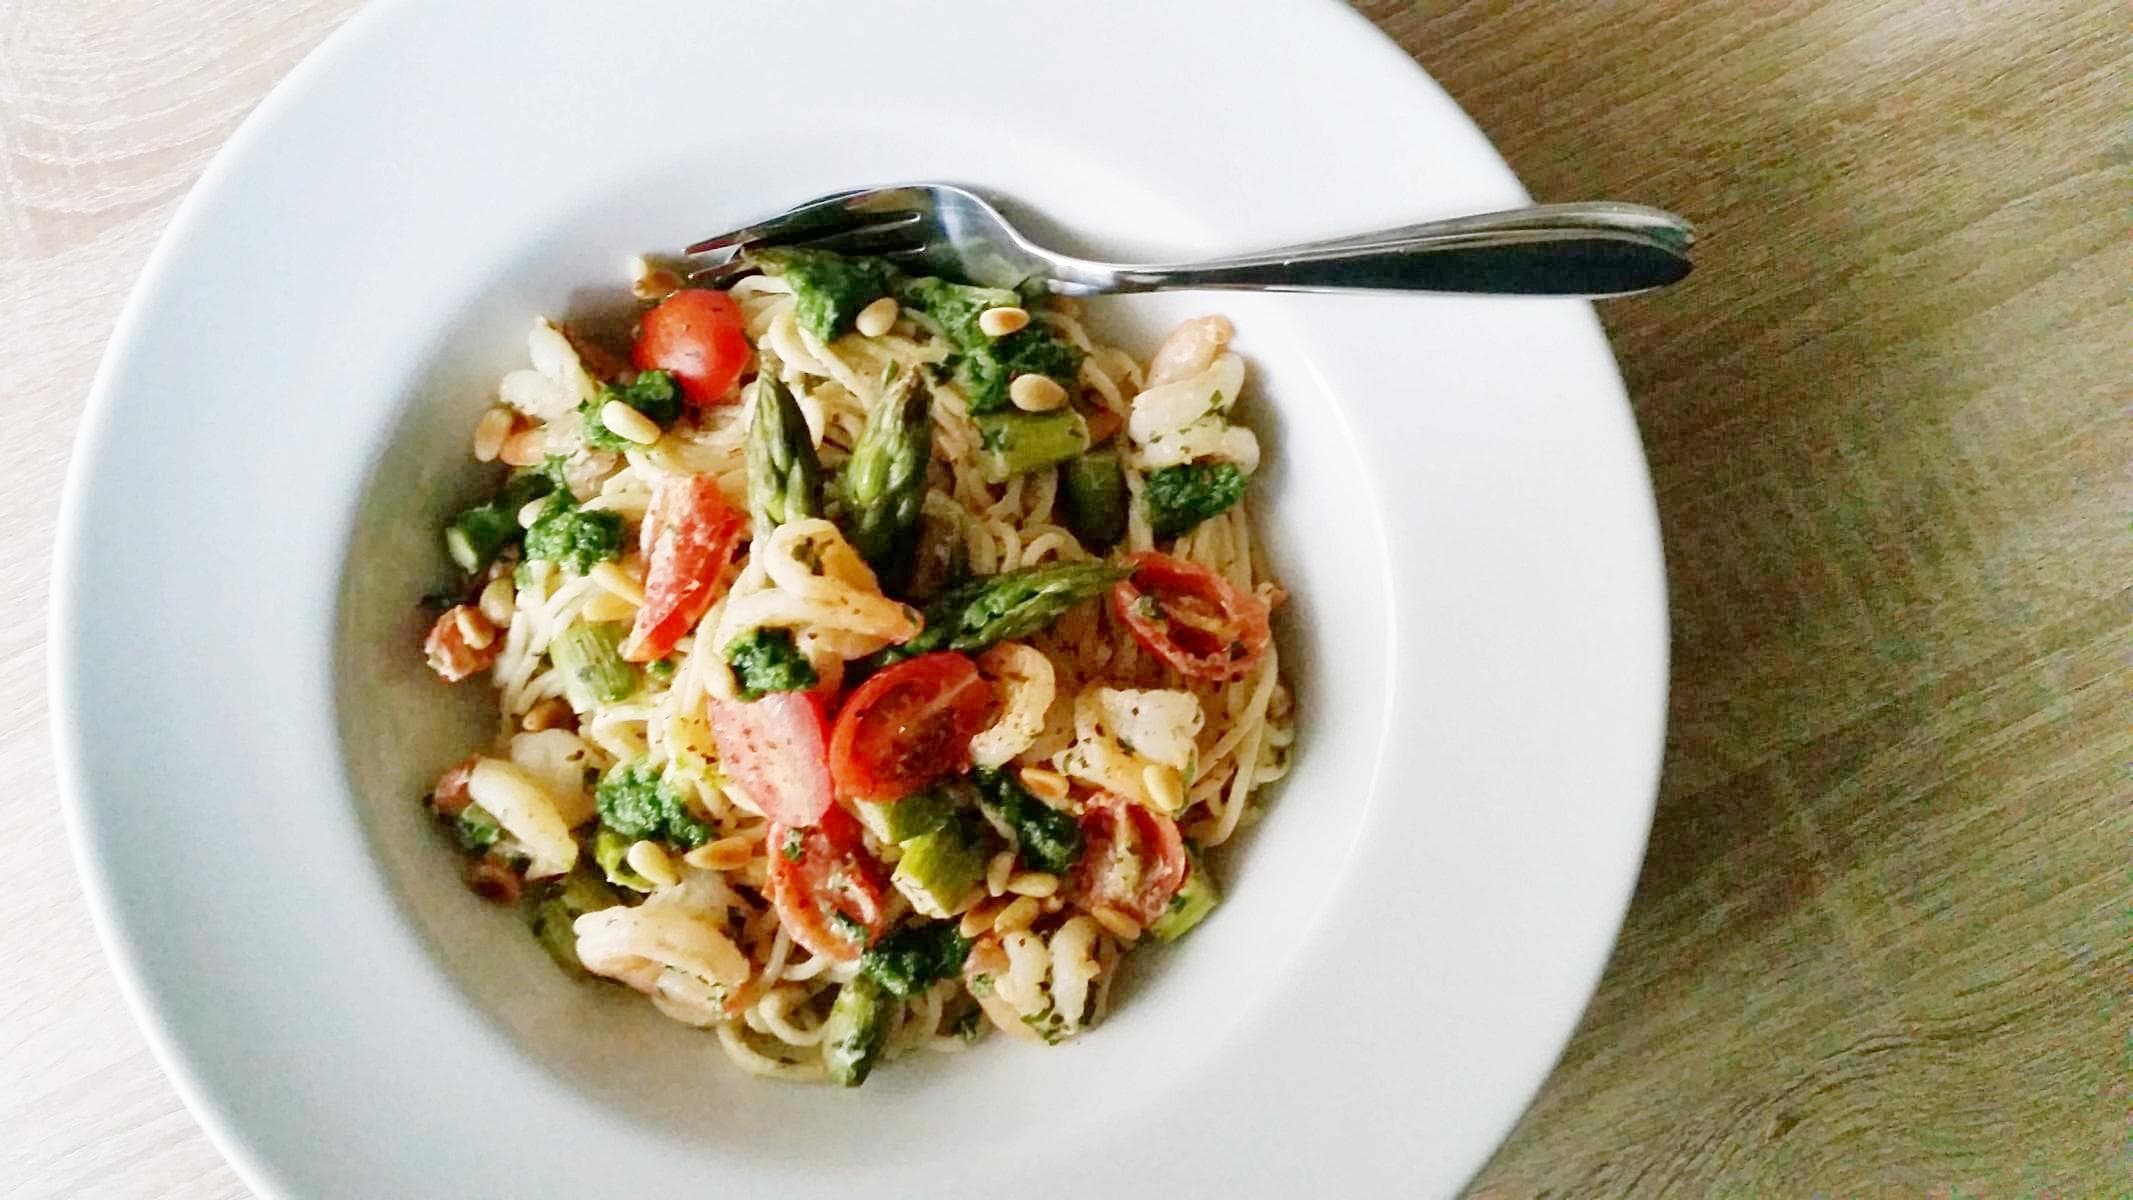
(1592, 249)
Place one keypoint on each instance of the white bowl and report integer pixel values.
(1455, 499)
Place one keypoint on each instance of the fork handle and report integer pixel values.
(1590, 250)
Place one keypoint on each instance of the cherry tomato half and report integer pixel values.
(688, 539)
(1191, 618)
(700, 336)
(775, 749)
(1133, 859)
(826, 886)
(908, 726)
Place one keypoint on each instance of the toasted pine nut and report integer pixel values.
(526, 448)
(611, 576)
(651, 282)
(725, 854)
(551, 713)
(624, 421)
(1053, 903)
(1017, 915)
(606, 606)
(1045, 783)
(877, 318)
(650, 861)
(1125, 928)
(497, 600)
(531, 511)
(489, 432)
(979, 918)
(997, 871)
(474, 629)
(1036, 393)
(1033, 883)
(999, 322)
(1165, 786)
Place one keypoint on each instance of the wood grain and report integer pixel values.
(1883, 942)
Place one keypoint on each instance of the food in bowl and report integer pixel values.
(877, 656)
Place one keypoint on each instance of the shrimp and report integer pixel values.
(674, 955)
(1023, 678)
(1190, 349)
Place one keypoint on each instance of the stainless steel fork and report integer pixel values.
(1592, 249)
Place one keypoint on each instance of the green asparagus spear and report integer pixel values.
(994, 608)
(1094, 488)
(551, 909)
(1017, 442)
(857, 1030)
(784, 476)
(589, 655)
(884, 482)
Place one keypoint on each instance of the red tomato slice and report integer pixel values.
(827, 887)
(774, 748)
(1191, 618)
(701, 337)
(688, 538)
(908, 726)
(1132, 859)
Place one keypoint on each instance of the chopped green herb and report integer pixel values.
(1182, 496)
(636, 803)
(912, 959)
(765, 660)
(982, 365)
(576, 538)
(1047, 838)
(828, 289)
(795, 847)
(652, 393)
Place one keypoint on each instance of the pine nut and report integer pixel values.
(1017, 915)
(474, 629)
(979, 918)
(607, 606)
(531, 511)
(997, 871)
(526, 448)
(498, 600)
(1165, 786)
(1045, 783)
(999, 322)
(552, 713)
(612, 577)
(1038, 884)
(648, 860)
(877, 318)
(1036, 393)
(650, 282)
(626, 422)
(725, 854)
(1125, 928)
(489, 433)
(1066, 306)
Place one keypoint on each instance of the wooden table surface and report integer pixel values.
(1883, 942)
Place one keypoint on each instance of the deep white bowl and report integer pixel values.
(1455, 499)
